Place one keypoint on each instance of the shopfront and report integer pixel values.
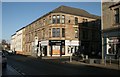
(56, 47)
(43, 48)
(71, 46)
(113, 47)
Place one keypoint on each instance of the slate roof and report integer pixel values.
(70, 10)
(74, 11)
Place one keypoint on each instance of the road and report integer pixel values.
(36, 66)
(9, 71)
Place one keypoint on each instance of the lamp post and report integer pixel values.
(70, 51)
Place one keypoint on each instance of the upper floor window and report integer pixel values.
(43, 33)
(76, 32)
(85, 22)
(63, 19)
(63, 32)
(49, 19)
(44, 21)
(49, 32)
(53, 32)
(69, 21)
(53, 19)
(117, 15)
(76, 21)
(58, 19)
(56, 32)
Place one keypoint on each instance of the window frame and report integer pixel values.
(63, 19)
(63, 32)
(54, 19)
(76, 20)
(58, 19)
(55, 32)
(116, 16)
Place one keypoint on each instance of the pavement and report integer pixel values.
(109, 66)
(74, 62)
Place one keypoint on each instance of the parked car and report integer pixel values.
(11, 52)
(4, 59)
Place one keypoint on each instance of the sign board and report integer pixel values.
(44, 43)
(72, 43)
(56, 42)
(111, 44)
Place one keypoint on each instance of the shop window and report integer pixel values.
(55, 50)
(50, 51)
(63, 50)
(117, 15)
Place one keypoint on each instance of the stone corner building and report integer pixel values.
(53, 33)
(111, 30)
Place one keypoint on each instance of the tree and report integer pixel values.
(4, 42)
(5, 45)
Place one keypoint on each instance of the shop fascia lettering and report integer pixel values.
(55, 41)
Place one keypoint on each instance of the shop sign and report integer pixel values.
(56, 42)
(44, 43)
(72, 43)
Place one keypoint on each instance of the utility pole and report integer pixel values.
(70, 51)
